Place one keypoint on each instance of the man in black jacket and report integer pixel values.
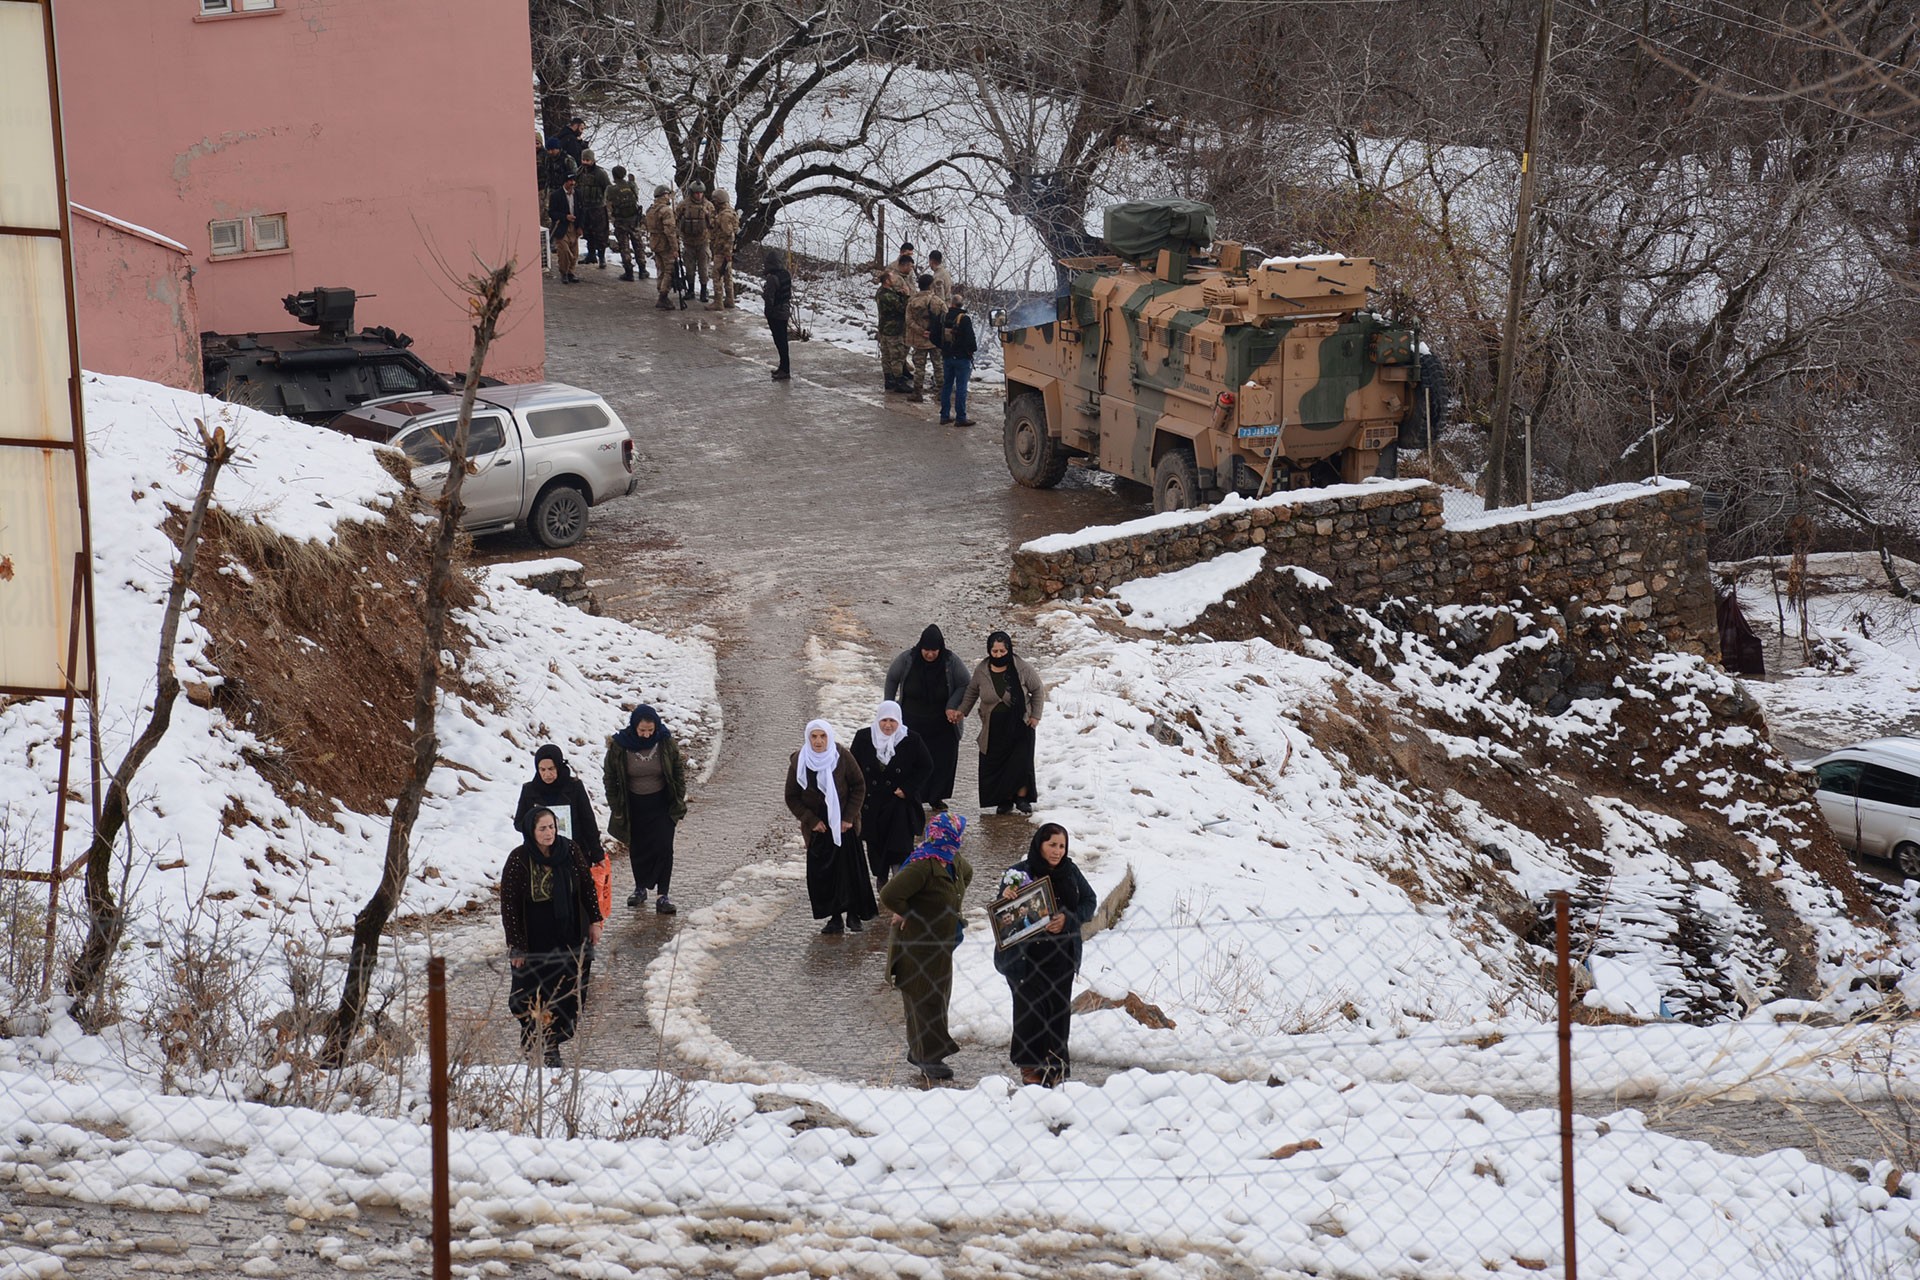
(958, 345)
(777, 295)
(563, 217)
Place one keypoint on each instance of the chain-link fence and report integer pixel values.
(731, 1092)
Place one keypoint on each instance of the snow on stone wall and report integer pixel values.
(1642, 547)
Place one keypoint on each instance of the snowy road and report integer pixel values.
(815, 528)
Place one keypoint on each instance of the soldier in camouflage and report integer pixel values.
(624, 202)
(923, 311)
(591, 190)
(663, 237)
(696, 228)
(726, 227)
(890, 303)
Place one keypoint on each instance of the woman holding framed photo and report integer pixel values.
(1041, 965)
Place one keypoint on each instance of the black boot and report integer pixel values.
(627, 274)
(834, 926)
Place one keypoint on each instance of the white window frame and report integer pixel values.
(237, 226)
(255, 242)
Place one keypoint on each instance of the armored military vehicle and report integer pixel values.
(1204, 373)
(314, 374)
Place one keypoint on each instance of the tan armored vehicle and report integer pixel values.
(1203, 375)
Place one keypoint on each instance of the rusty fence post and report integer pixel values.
(437, 1095)
(1563, 985)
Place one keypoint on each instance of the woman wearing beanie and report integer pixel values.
(646, 780)
(928, 681)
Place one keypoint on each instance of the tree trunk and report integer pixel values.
(487, 296)
(105, 915)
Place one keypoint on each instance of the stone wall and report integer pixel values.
(564, 580)
(1642, 547)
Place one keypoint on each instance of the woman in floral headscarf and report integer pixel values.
(924, 897)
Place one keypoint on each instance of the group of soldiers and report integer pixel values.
(691, 240)
(912, 306)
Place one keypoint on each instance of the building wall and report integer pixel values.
(1640, 547)
(394, 134)
(137, 310)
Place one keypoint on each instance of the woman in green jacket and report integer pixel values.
(646, 781)
(924, 899)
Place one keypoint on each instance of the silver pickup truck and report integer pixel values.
(542, 453)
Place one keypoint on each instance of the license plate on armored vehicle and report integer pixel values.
(1255, 433)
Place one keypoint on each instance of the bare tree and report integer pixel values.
(487, 298)
(788, 106)
(106, 915)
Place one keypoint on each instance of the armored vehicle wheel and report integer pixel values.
(1176, 481)
(559, 516)
(1432, 390)
(1034, 458)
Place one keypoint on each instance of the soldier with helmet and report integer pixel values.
(696, 227)
(726, 229)
(663, 238)
(624, 201)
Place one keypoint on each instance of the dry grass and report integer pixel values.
(318, 648)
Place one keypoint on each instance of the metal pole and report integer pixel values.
(880, 238)
(1653, 429)
(437, 1063)
(1426, 394)
(1563, 982)
(1499, 465)
(1529, 461)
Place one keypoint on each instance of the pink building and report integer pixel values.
(377, 144)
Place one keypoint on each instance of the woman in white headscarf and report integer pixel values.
(895, 764)
(826, 793)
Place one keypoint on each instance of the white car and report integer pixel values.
(1870, 794)
(543, 453)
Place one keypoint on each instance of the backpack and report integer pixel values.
(626, 200)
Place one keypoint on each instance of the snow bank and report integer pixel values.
(1174, 600)
(207, 826)
(1584, 501)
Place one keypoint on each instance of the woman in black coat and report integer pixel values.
(1041, 969)
(554, 786)
(827, 795)
(895, 764)
(551, 915)
(928, 681)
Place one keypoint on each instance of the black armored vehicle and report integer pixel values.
(313, 374)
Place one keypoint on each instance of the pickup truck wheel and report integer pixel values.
(1907, 858)
(559, 516)
(1034, 458)
(1176, 481)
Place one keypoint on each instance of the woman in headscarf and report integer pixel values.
(554, 786)
(826, 793)
(646, 780)
(928, 681)
(924, 898)
(1011, 696)
(1041, 969)
(551, 916)
(895, 766)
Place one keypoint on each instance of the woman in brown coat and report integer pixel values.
(1011, 696)
(825, 792)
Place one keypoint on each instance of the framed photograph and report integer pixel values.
(1018, 918)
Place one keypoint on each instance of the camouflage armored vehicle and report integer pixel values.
(314, 374)
(1206, 374)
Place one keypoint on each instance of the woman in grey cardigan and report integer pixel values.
(1011, 696)
(927, 682)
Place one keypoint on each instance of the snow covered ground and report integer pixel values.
(562, 675)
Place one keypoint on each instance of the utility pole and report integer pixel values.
(1500, 477)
